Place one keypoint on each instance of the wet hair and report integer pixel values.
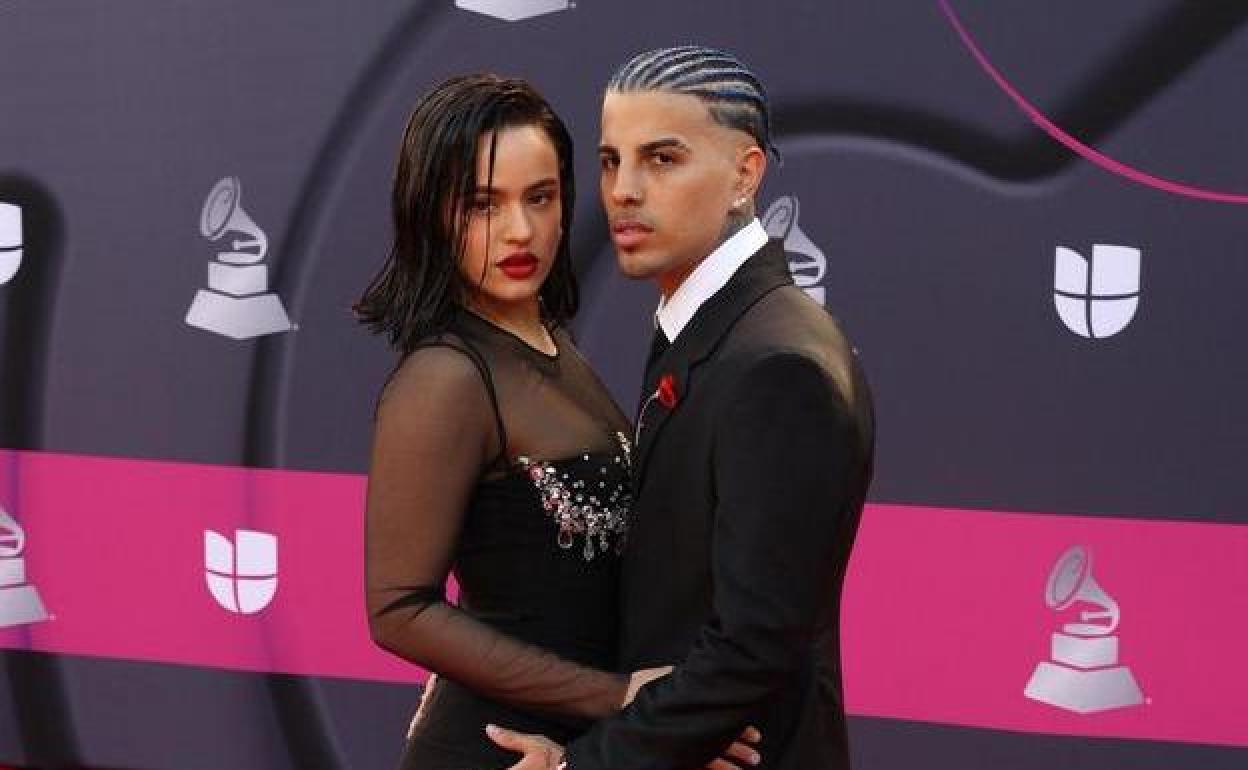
(733, 94)
(419, 289)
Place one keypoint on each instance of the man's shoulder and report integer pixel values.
(787, 320)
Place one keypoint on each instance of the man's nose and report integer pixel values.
(625, 186)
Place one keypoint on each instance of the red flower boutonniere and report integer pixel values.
(666, 392)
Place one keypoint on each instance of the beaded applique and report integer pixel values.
(580, 510)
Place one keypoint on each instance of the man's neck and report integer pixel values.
(710, 275)
(670, 281)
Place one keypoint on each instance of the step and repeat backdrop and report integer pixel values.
(1031, 218)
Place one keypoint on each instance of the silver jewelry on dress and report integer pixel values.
(577, 512)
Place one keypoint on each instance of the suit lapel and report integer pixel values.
(766, 270)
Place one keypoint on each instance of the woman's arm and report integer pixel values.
(435, 431)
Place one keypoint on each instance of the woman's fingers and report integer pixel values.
(742, 752)
(640, 679)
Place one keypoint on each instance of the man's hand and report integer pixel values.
(540, 752)
(740, 754)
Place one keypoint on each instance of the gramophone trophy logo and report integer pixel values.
(807, 262)
(242, 573)
(1097, 297)
(237, 302)
(19, 601)
(513, 10)
(1084, 674)
(10, 241)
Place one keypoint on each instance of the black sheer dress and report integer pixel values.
(509, 468)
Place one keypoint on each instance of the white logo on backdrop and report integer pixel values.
(237, 302)
(242, 575)
(10, 241)
(1097, 298)
(513, 10)
(807, 262)
(19, 601)
(1084, 675)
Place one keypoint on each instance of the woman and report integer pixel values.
(497, 451)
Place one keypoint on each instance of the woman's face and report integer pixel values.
(514, 219)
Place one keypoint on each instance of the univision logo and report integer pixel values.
(1097, 297)
(10, 241)
(241, 574)
(513, 10)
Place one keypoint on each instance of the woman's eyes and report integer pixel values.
(490, 207)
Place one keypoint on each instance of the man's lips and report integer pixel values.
(628, 233)
(518, 266)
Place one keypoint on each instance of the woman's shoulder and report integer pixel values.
(442, 367)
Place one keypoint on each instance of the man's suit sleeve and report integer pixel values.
(781, 469)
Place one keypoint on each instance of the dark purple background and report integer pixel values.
(937, 203)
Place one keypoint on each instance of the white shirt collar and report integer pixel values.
(675, 312)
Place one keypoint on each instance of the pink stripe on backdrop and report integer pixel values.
(943, 618)
(116, 550)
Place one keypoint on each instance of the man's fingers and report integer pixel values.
(751, 735)
(722, 764)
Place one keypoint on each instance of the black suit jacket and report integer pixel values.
(748, 495)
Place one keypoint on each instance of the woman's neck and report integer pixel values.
(523, 319)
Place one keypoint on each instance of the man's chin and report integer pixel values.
(635, 265)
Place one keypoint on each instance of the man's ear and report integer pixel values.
(751, 165)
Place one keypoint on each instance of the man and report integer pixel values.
(755, 443)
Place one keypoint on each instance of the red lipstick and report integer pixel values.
(519, 266)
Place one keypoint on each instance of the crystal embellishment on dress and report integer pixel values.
(600, 518)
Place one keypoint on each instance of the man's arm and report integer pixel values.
(783, 526)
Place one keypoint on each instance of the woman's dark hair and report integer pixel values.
(419, 289)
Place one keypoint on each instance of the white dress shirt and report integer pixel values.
(675, 312)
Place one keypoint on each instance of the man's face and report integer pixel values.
(670, 175)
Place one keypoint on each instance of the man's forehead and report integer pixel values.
(645, 116)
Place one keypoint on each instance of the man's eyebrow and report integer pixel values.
(667, 142)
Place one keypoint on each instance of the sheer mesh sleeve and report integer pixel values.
(435, 434)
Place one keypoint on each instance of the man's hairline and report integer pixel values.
(706, 102)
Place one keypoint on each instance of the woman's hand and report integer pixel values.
(641, 678)
(741, 753)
